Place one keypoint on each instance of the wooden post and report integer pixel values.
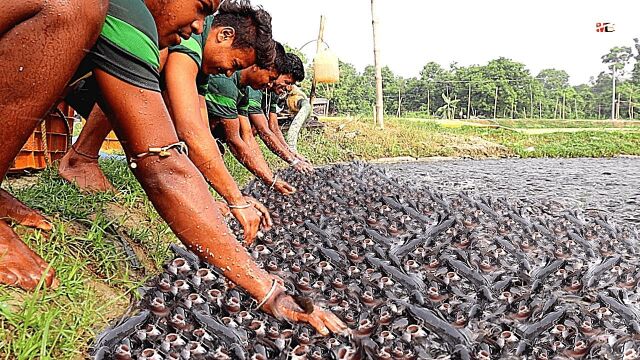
(314, 84)
(495, 103)
(378, 67)
(469, 102)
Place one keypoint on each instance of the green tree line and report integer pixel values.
(502, 88)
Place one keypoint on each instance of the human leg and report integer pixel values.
(41, 45)
(80, 164)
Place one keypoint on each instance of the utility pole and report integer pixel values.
(613, 93)
(495, 103)
(312, 95)
(469, 102)
(378, 67)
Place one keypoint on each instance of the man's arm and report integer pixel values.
(259, 122)
(270, 138)
(275, 128)
(244, 147)
(182, 198)
(182, 95)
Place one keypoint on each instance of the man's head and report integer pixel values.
(292, 71)
(176, 19)
(259, 78)
(240, 37)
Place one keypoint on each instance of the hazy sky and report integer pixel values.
(539, 33)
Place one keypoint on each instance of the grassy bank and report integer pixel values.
(346, 139)
(97, 237)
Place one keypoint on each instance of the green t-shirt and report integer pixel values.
(127, 49)
(194, 48)
(255, 101)
(224, 96)
(269, 102)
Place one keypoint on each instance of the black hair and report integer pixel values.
(295, 67)
(252, 26)
(280, 62)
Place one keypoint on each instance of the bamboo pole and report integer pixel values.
(314, 83)
(378, 67)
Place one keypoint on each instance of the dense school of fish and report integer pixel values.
(415, 274)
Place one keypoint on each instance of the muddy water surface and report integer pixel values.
(611, 185)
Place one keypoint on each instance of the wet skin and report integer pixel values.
(188, 112)
(239, 135)
(180, 195)
(279, 86)
(273, 137)
(260, 125)
(71, 27)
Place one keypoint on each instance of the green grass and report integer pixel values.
(349, 139)
(97, 283)
(568, 123)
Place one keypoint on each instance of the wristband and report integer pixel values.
(269, 294)
(275, 179)
(245, 206)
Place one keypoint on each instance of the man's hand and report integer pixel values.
(284, 188)
(283, 306)
(304, 167)
(252, 218)
(266, 223)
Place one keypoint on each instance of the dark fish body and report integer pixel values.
(416, 273)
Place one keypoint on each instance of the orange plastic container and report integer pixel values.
(41, 150)
(111, 144)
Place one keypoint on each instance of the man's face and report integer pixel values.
(220, 57)
(259, 78)
(281, 84)
(178, 19)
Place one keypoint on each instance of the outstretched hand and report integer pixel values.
(252, 219)
(284, 188)
(283, 306)
(304, 167)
